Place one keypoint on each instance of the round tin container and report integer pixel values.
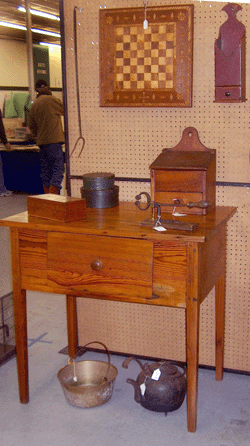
(101, 198)
(98, 181)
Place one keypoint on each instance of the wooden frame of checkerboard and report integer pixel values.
(150, 67)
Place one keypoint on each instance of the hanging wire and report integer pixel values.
(145, 23)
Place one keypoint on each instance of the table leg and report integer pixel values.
(192, 335)
(72, 326)
(220, 288)
(20, 318)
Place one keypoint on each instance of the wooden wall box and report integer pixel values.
(56, 207)
(185, 173)
(230, 54)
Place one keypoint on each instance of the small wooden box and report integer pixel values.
(56, 207)
(184, 175)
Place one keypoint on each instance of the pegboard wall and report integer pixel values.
(125, 141)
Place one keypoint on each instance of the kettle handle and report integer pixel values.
(127, 361)
(72, 360)
(176, 363)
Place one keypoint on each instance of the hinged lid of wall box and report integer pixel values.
(181, 160)
(183, 174)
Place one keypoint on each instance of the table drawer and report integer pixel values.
(110, 266)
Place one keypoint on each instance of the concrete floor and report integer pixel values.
(49, 420)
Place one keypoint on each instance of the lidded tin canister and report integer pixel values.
(99, 190)
(98, 181)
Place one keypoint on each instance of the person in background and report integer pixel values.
(3, 191)
(46, 126)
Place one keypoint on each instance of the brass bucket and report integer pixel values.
(88, 383)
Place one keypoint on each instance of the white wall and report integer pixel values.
(14, 64)
(14, 68)
(55, 69)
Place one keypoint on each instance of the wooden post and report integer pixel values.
(72, 325)
(20, 318)
(192, 335)
(220, 326)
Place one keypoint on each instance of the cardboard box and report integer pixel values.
(56, 207)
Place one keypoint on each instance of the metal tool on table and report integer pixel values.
(167, 224)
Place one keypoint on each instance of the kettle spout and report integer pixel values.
(136, 386)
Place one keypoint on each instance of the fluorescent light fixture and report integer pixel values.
(47, 33)
(34, 30)
(53, 45)
(13, 25)
(39, 13)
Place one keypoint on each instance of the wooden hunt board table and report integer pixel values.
(110, 256)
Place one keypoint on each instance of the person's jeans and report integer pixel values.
(52, 165)
(2, 185)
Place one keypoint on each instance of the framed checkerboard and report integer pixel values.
(146, 67)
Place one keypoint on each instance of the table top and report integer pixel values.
(21, 147)
(124, 221)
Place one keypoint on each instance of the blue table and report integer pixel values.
(21, 168)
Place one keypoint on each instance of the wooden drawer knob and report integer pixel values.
(96, 265)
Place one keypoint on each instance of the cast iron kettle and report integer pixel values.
(160, 387)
